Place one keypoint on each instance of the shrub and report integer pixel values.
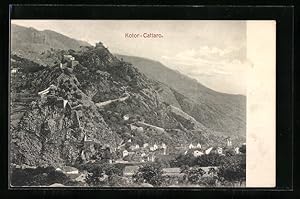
(163, 162)
(243, 149)
(193, 175)
(149, 173)
(233, 168)
(101, 174)
(182, 160)
(208, 160)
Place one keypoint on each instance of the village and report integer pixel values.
(132, 154)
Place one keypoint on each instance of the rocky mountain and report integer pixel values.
(66, 94)
(218, 111)
(38, 45)
(56, 111)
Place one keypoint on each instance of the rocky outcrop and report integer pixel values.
(50, 133)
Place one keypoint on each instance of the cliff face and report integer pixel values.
(52, 130)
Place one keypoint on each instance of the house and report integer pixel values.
(197, 153)
(198, 146)
(151, 157)
(140, 130)
(237, 150)
(220, 151)
(134, 147)
(191, 146)
(207, 151)
(229, 143)
(125, 153)
(74, 63)
(69, 58)
(164, 147)
(129, 157)
(65, 103)
(126, 117)
(15, 70)
(145, 145)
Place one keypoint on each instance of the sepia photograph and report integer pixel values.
(131, 103)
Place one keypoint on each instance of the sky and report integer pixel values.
(212, 52)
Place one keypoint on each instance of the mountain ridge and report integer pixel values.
(127, 58)
(37, 45)
(232, 106)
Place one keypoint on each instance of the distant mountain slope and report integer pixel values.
(217, 111)
(33, 44)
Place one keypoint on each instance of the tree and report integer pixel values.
(102, 174)
(208, 160)
(233, 168)
(149, 173)
(193, 175)
(181, 160)
(243, 149)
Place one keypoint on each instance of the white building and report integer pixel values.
(229, 143)
(152, 148)
(207, 151)
(13, 71)
(69, 58)
(125, 153)
(219, 150)
(126, 117)
(191, 146)
(145, 145)
(197, 153)
(198, 146)
(65, 103)
(164, 147)
(237, 150)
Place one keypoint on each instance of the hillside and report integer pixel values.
(217, 111)
(38, 45)
(89, 100)
(58, 108)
